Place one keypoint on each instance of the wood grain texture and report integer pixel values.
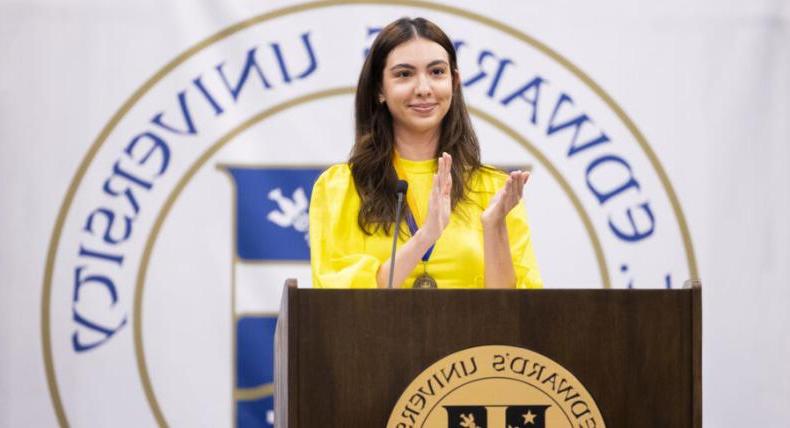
(353, 352)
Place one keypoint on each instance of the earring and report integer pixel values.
(381, 100)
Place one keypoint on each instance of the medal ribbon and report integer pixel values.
(414, 218)
(413, 229)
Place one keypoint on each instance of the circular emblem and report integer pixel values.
(495, 386)
(171, 245)
(424, 281)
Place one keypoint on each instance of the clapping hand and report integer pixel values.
(505, 199)
(440, 203)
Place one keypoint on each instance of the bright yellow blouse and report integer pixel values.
(342, 256)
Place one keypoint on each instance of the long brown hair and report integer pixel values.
(371, 157)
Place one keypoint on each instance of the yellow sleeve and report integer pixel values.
(524, 262)
(337, 244)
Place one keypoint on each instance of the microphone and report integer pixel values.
(400, 190)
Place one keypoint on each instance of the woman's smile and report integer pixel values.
(423, 108)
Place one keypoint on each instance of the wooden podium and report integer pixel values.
(343, 357)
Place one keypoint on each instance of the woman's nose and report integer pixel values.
(423, 88)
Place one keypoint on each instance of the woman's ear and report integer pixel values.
(456, 79)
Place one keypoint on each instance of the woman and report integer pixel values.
(412, 124)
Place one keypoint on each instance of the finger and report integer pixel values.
(439, 177)
(435, 187)
(524, 179)
(448, 178)
(507, 190)
(519, 184)
(514, 188)
(516, 177)
(525, 176)
(519, 193)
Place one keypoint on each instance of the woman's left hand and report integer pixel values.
(505, 199)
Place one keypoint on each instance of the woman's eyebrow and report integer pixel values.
(411, 67)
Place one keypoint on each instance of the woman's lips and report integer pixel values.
(423, 107)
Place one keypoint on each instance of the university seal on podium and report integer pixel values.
(495, 387)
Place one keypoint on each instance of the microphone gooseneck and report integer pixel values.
(400, 190)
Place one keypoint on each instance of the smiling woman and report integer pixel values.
(417, 95)
(412, 124)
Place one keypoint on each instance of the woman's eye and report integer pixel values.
(438, 71)
(403, 73)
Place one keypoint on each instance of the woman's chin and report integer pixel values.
(423, 124)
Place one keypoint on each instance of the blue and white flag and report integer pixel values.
(271, 236)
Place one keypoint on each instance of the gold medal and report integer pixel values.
(424, 281)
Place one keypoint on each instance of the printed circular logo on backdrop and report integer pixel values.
(167, 260)
(495, 386)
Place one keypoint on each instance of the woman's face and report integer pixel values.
(417, 85)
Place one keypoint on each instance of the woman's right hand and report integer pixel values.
(440, 203)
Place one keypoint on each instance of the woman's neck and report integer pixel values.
(416, 146)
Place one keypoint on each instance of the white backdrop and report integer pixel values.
(708, 84)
